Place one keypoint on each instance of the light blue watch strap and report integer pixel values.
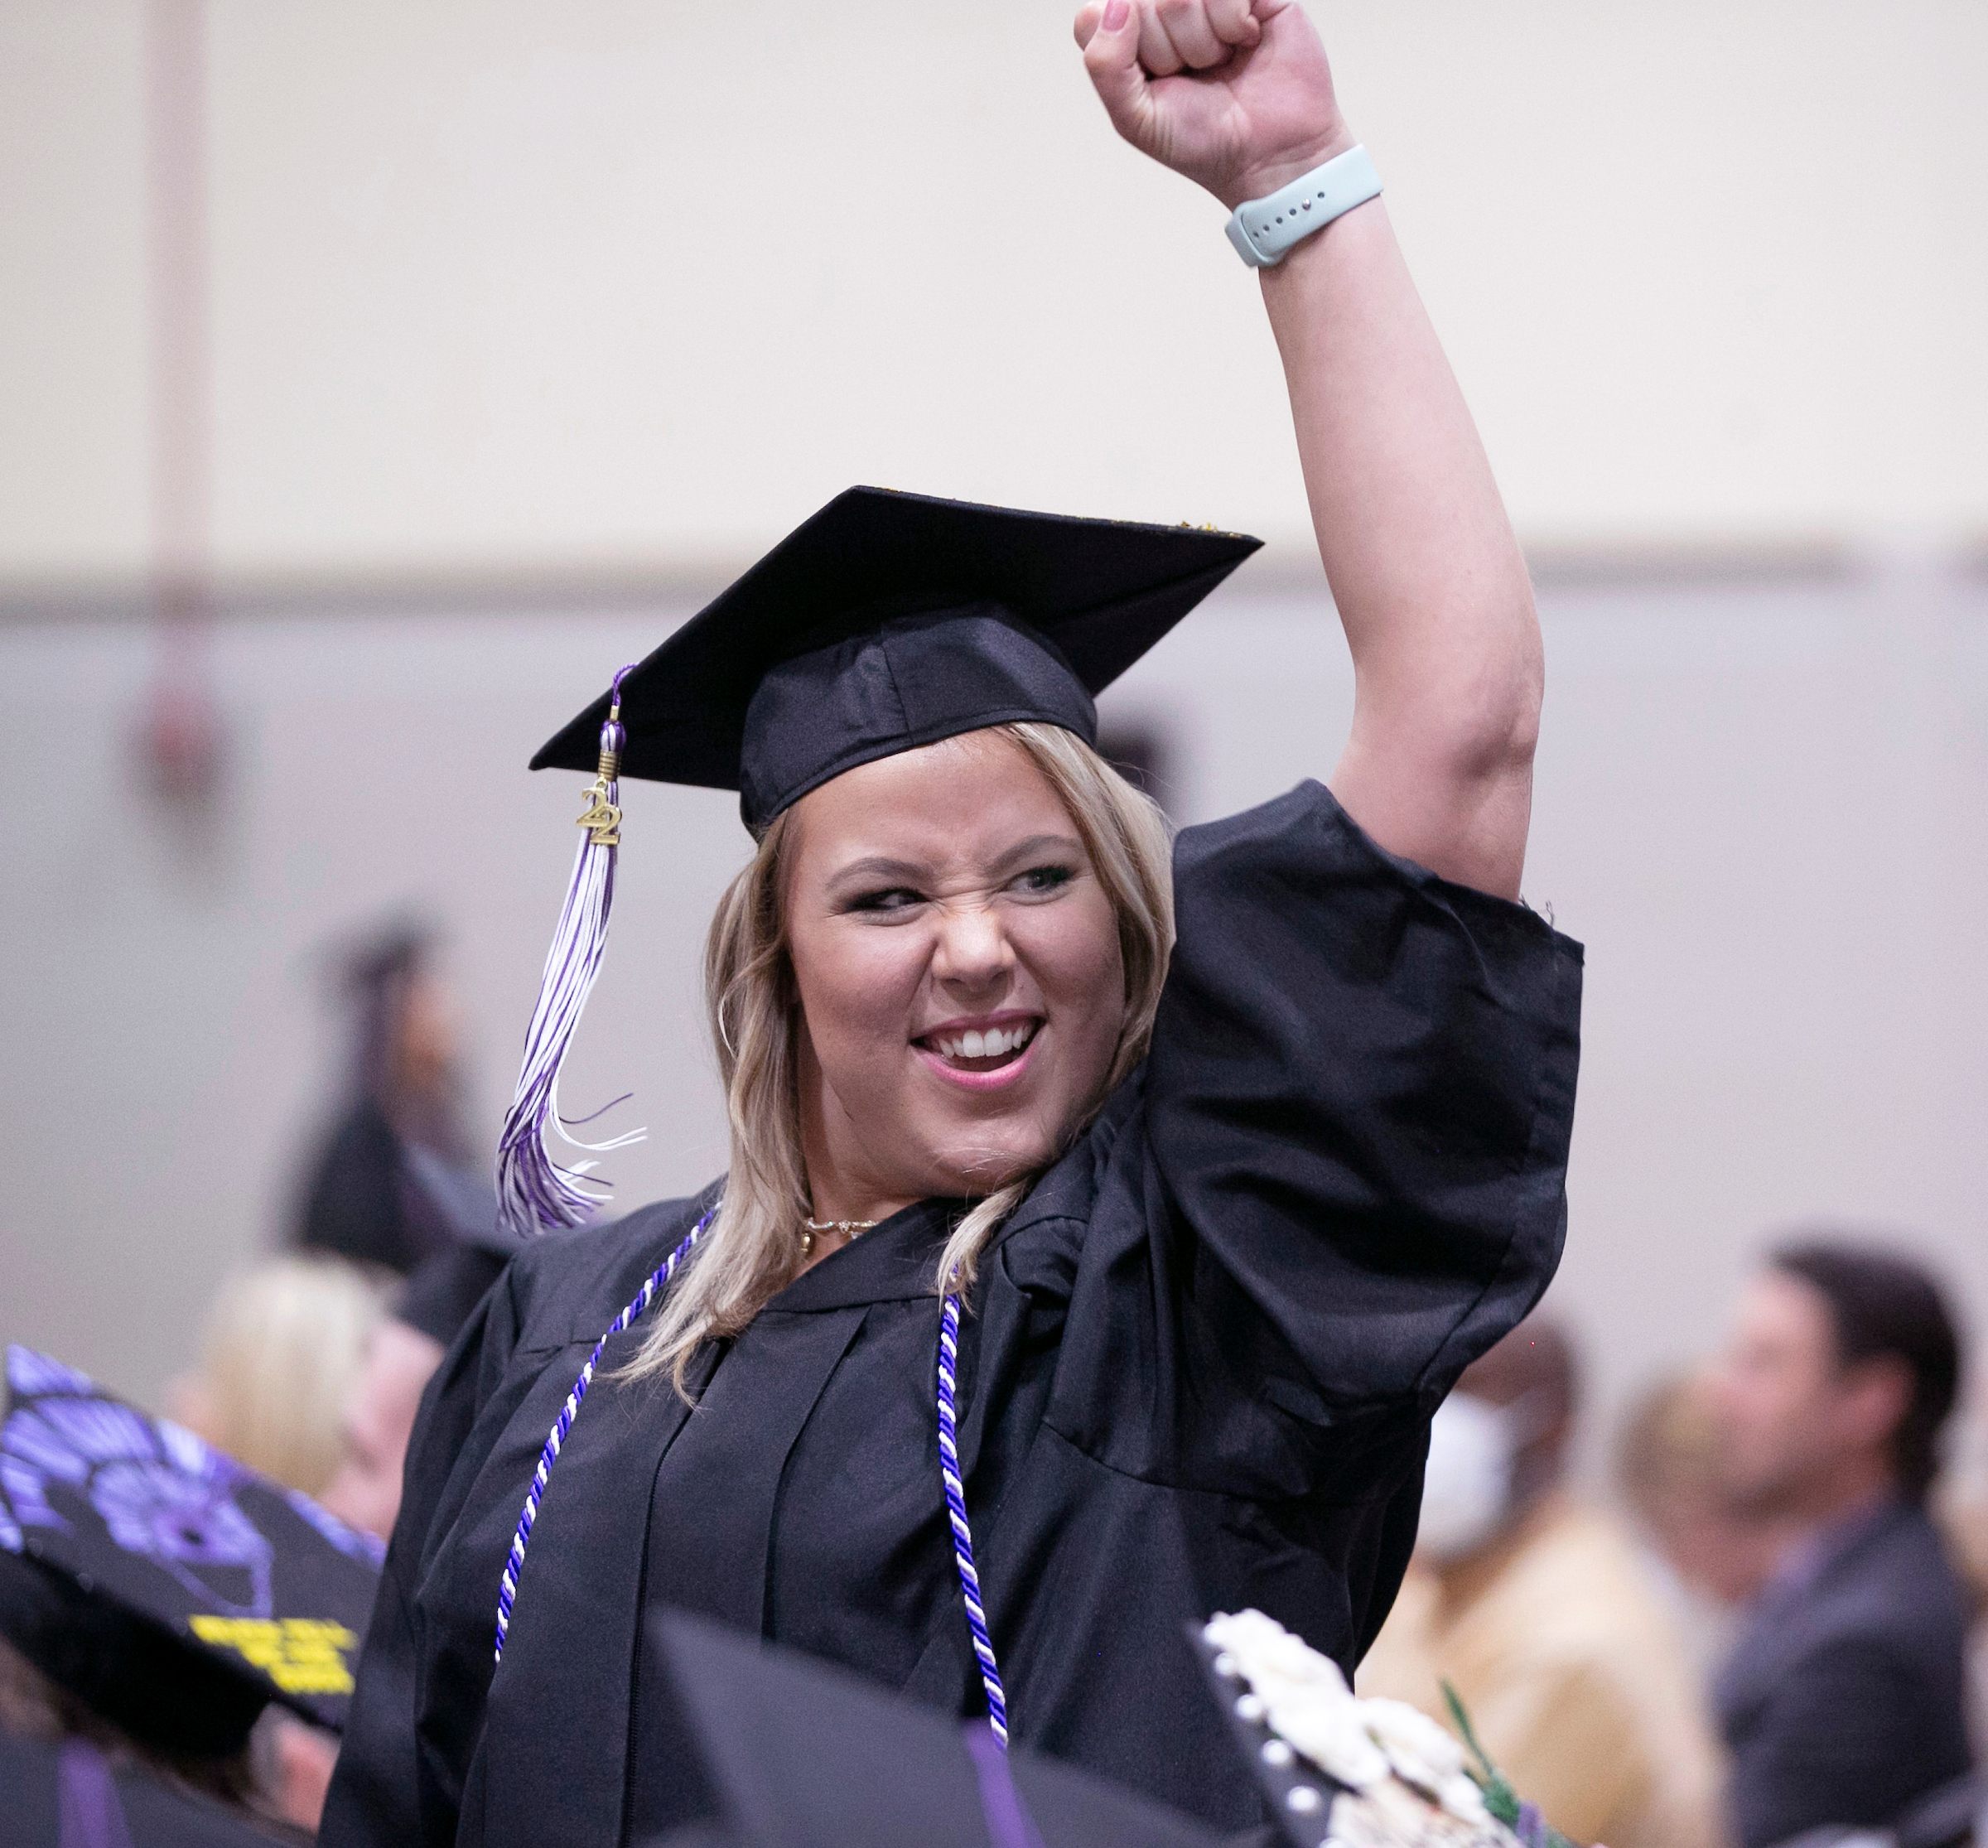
(1263, 229)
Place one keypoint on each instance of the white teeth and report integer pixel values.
(993, 1044)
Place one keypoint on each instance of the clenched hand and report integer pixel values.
(1236, 94)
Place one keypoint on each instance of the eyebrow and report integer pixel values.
(881, 866)
(877, 867)
(1041, 843)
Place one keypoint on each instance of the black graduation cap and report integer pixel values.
(60, 1796)
(800, 1754)
(165, 1585)
(891, 620)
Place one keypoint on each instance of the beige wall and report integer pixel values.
(600, 288)
(621, 284)
(1764, 809)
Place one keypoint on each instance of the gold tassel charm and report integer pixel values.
(601, 818)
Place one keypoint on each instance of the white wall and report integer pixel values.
(624, 288)
(620, 283)
(1763, 807)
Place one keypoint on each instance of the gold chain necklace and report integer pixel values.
(849, 1228)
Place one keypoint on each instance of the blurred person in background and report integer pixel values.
(312, 1375)
(1960, 1506)
(1843, 1703)
(364, 1491)
(375, 1191)
(405, 1347)
(1536, 1609)
(284, 1348)
(286, 1354)
(1714, 1554)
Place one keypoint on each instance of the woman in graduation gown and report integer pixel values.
(1226, 1226)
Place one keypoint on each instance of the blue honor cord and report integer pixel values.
(948, 1468)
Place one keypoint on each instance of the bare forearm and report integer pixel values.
(1237, 95)
(1428, 578)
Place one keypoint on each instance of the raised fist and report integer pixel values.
(1234, 94)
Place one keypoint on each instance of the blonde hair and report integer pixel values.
(284, 1344)
(752, 1248)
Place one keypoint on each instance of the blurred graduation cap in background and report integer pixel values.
(797, 1753)
(69, 1796)
(164, 1586)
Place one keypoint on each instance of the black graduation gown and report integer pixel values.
(361, 1202)
(1196, 1374)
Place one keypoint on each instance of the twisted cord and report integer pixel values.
(507, 1591)
(962, 1534)
(948, 1463)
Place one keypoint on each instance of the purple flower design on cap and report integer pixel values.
(160, 1492)
(29, 1372)
(31, 1452)
(184, 1521)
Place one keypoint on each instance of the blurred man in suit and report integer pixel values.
(1842, 1702)
(1535, 1606)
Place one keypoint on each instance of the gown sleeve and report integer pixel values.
(1344, 1178)
(390, 1786)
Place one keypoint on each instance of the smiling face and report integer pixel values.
(957, 963)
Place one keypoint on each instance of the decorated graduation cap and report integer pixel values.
(886, 622)
(162, 1583)
(794, 1753)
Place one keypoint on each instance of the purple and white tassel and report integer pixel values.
(535, 1193)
